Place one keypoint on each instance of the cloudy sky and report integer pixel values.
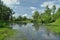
(27, 7)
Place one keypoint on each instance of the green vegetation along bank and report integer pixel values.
(5, 32)
(55, 26)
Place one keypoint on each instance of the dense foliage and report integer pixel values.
(5, 15)
(5, 12)
(47, 17)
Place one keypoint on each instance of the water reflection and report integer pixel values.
(36, 26)
(34, 31)
(22, 23)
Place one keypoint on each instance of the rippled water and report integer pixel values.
(32, 31)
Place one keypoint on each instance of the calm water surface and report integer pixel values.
(32, 31)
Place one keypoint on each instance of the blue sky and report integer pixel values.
(27, 7)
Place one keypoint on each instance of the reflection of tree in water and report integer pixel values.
(22, 23)
(48, 32)
(36, 26)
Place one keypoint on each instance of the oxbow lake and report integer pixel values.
(32, 31)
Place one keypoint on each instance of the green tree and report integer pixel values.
(19, 18)
(48, 11)
(5, 12)
(57, 14)
(36, 15)
(46, 15)
(24, 18)
(53, 11)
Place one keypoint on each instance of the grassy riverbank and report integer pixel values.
(5, 32)
(54, 27)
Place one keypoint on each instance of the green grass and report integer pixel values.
(5, 32)
(55, 29)
(55, 26)
(57, 22)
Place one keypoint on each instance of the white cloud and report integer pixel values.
(33, 11)
(25, 15)
(28, 16)
(49, 3)
(33, 8)
(10, 2)
(16, 15)
(41, 11)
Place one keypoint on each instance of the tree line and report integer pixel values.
(48, 16)
(45, 17)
